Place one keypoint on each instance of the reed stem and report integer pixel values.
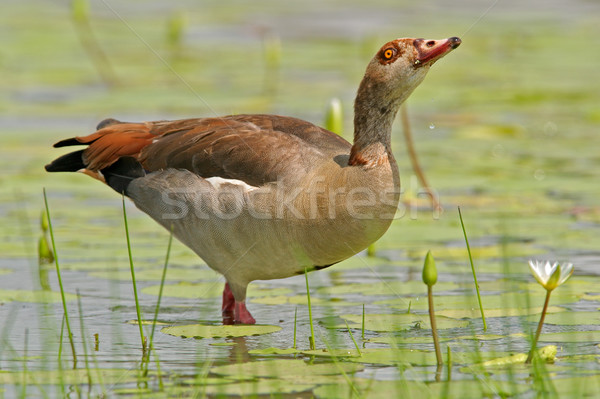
(135, 294)
(539, 328)
(60, 284)
(473, 270)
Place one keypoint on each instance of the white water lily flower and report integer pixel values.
(549, 275)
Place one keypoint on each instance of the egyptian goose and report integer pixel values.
(263, 197)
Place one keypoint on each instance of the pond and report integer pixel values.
(505, 128)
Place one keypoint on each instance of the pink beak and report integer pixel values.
(432, 50)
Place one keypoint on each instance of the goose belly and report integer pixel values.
(248, 233)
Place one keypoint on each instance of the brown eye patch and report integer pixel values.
(388, 54)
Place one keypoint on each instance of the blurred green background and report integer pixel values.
(506, 126)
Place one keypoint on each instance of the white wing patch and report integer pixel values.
(217, 182)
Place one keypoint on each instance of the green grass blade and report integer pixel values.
(353, 340)
(295, 320)
(60, 284)
(85, 353)
(362, 326)
(473, 270)
(449, 359)
(24, 387)
(312, 330)
(137, 302)
(160, 290)
(355, 392)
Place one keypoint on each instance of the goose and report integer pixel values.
(262, 197)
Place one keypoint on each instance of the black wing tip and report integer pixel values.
(74, 141)
(71, 162)
(67, 142)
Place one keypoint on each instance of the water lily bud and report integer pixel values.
(80, 9)
(175, 29)
(272, 50)
(44, 221)
(334, 118)
(429, 270)
(45, 254)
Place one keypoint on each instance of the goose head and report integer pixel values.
(399, 67)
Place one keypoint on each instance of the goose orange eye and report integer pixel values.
(389, 53)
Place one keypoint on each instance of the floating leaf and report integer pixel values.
(70, 376)
(373, 389)
(504, 300)
(508, 312)
(341, 353)
(570, 318)
(147, 322)
(481, 252)
(282, 368)
(33, 296)
(395, 357)
(577, 387)
(395, 340)
(208, 331)
(399, 322)
(274, 351)
(359, 262)
(258, 387)
(571, 336)
(392, 288)
(173, 274)
(476, 389)
(301, 300)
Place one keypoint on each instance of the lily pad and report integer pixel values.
(399, 322)
(392, 288)
(209, 331)
(508, 312)
(577, 387)
(283, 368)
(258, 387)
(334, 353)
(428, 339)
(481, 252)
(571, 336)
(395, 357)
(70, 376)
(173, 274)
(570, 318)
(360, 262)
(33, 296)
(394, 340)
(301, 300)
(373, 389)
(475, 389)
(274, 351)
(506, 299)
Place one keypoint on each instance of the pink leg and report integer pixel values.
(228, 300)
(234, 312)
(241, 315)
